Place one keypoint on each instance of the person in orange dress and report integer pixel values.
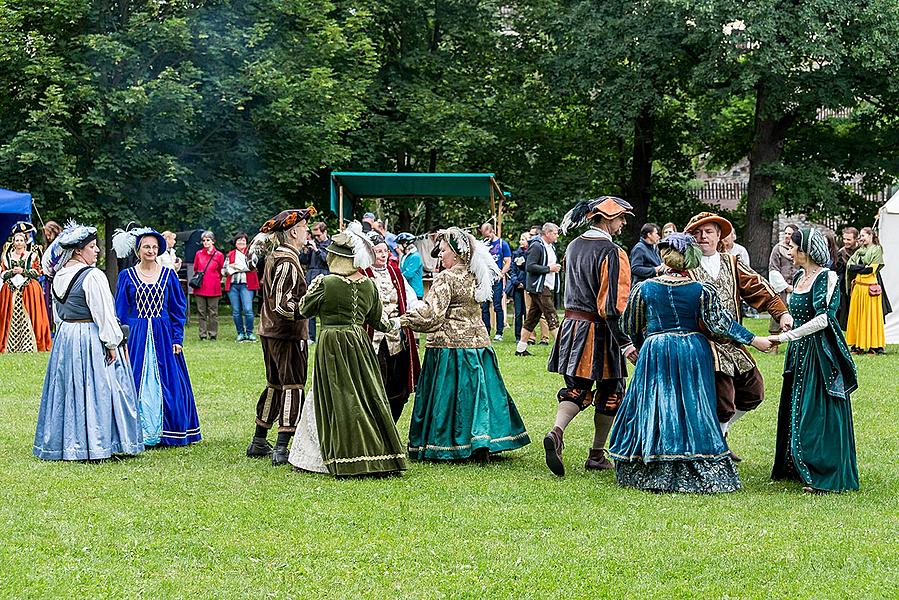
(24, 323)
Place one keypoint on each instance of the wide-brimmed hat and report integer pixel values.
(605, 206)
(126, 242)
(25, 228)
(704, 218)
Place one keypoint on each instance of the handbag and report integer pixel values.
(196, 282)
(875, 290)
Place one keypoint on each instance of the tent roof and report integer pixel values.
(409, 185)
(15, 203)
(361, 185)
(892, 205)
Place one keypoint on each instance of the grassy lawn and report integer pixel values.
(205, 521)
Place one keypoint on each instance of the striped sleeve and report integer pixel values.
(283, 283)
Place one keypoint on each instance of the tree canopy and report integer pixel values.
(217, 113)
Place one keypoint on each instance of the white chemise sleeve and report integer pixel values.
(100, 302)
(816, 323)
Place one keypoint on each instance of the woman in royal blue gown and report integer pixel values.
(149, 299)
(666, 436)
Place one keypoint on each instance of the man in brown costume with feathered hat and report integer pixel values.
(283, 331)
(738, 383)
(590, 347)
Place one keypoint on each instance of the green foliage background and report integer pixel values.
(217, 113)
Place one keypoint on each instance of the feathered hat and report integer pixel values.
(71, 238)
(125, 242)
(476, 256)
(582, 212)
(23, 227)
(351, 243)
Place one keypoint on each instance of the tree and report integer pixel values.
(793, 60)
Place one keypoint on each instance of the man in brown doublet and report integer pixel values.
(284, 334)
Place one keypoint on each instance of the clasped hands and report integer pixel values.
(766, 344)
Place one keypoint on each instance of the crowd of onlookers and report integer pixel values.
(531, 278)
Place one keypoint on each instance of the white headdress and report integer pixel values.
(476, 256)
(352, 243)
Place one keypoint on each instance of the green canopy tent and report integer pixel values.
(348, 187)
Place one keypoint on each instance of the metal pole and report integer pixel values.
(340, 206)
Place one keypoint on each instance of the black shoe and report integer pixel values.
(523, 353)
(259, 448)
(544, 343)
(531, 342)
(279, 455)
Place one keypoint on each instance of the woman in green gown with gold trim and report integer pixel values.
(815, 437)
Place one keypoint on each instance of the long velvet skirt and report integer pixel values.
(666, 436)
(462, 405)
(356, 431)
(88, 408)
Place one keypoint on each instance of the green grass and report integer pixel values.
(205, 521)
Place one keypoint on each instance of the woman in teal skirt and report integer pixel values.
(462, 408)
(815, 437)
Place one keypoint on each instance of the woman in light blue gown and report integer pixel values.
(89, 404)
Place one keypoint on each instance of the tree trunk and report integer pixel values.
(768, 138)
(638, 186)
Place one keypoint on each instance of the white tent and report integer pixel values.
(889, 240)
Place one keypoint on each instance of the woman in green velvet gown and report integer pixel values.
(351, 415)
(815, 438)
(462, 408)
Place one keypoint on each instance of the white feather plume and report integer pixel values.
(123, 243)
(363, 250)
(261, 246)
(480, 262)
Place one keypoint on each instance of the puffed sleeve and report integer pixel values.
(311, 302)
(431, 314)
(103, 310)
(376, 317)
(757, 292)
(717, 320)
(634, 318)
(122, 297)
(614, 292)
(177, 305)
(35, 271)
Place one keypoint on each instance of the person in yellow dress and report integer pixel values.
(868, 302)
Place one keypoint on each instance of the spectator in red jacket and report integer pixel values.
(209, 261)
(241, 283)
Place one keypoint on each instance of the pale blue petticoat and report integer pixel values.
(88, 408)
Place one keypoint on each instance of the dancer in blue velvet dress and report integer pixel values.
(149, 299)
(666, 436)
(88, 405)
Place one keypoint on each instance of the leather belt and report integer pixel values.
(580, 315)
(78, 320)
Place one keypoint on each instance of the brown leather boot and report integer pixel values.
(553, 446)
(597, 461)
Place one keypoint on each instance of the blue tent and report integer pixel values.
(14, 207)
